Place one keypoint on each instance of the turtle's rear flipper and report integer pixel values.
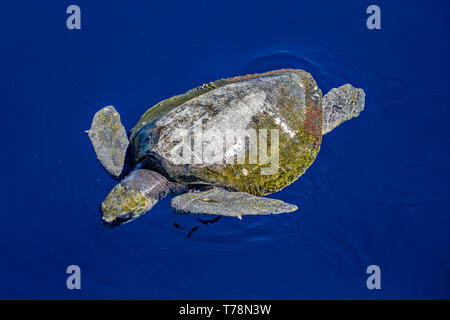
(218, 201)
(341, 104)
(110, 141)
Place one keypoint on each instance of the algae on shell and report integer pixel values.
(288, 101)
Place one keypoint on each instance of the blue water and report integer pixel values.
(378, 193)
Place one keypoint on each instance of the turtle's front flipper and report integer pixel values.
(110, 141)
(341, 104)
(219, 201)
(135, 195)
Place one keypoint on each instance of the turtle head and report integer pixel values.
(124, 204)
(133, 196)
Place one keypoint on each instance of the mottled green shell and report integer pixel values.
(298, 104)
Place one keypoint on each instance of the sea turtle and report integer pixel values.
(211, 145)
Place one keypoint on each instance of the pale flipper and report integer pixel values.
(135, 195)
(218, 201)
(341, 104)
(110, 141)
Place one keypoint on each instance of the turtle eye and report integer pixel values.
(255, 119)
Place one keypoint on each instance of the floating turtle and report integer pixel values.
(211, 145)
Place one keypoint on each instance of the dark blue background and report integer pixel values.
(378, 192)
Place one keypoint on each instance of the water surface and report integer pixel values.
(376, 194)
